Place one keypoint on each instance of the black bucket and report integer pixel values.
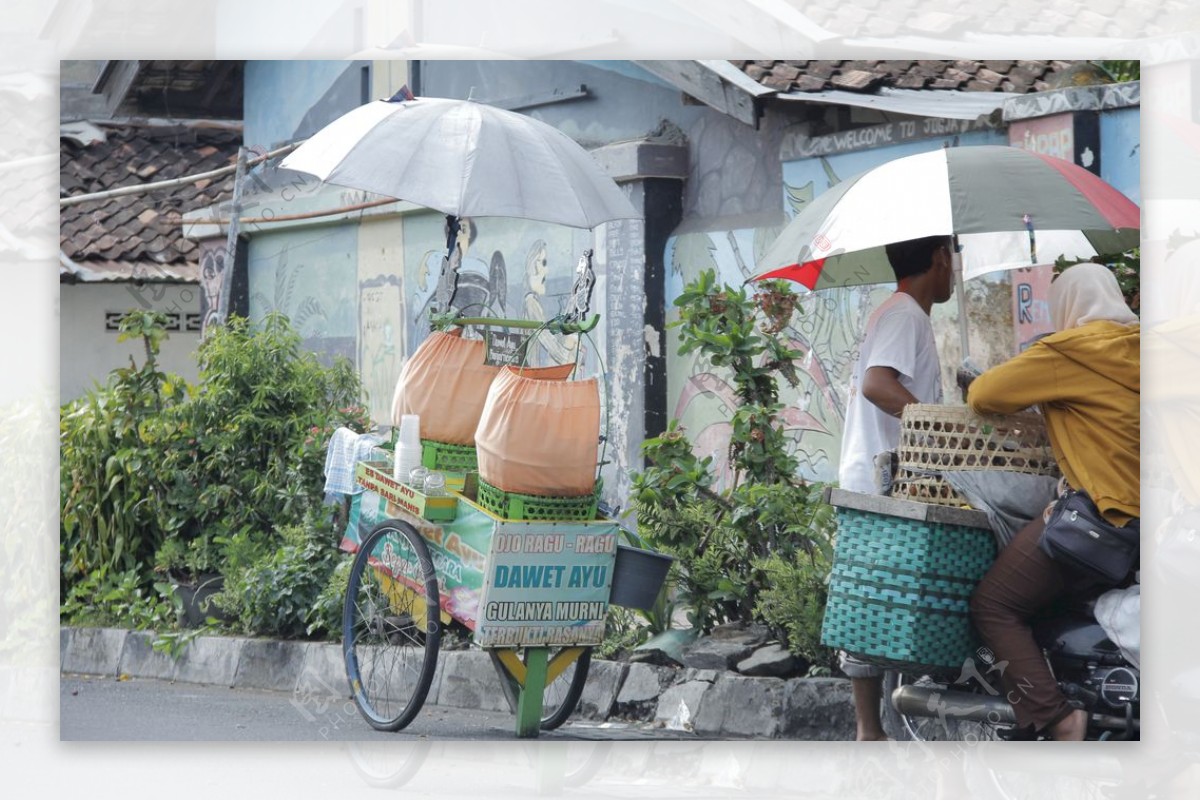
(638, 575)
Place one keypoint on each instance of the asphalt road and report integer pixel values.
(104, 708)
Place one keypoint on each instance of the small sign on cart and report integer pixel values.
(546, 584)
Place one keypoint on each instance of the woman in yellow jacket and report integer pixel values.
(1085, 378)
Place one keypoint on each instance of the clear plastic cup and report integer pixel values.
(435, 484)
(416, 477)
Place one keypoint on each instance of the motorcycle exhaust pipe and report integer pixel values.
(933, 702)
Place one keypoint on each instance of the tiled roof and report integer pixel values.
(143, 228)
(950, 21)
(870, 76)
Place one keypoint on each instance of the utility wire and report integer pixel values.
(174, 182)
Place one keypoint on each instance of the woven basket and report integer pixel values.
(448, 456)
(935, 438)
(518, 506)
(925, 488)
(900, 589)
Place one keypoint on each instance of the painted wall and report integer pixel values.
(288, 100)
(310, 275)
(623, 102)
(94, 351)
(1121, 151)
(828, 327)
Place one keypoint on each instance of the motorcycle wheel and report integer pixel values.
(928, 729)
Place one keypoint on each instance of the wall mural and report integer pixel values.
(827, 328)
(311, 279)
(508, 268)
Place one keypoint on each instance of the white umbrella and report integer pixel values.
(465, 159)
(1008, 207)
(999, 200)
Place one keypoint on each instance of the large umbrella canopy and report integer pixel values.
(465, 159)
(1010, 206)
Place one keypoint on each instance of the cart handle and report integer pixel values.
(557, 325)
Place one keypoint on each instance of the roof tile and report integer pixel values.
(124, 229)
(856, 80)
(869, 75)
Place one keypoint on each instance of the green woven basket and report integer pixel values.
(448, 456)
(900, 589)
(516, 506)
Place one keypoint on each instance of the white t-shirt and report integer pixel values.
(900, 336)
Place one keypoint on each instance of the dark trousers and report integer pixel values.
(1023, 581)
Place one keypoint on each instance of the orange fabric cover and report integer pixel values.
(446, 382)
(539, 437)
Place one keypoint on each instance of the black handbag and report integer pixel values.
(1078, 537)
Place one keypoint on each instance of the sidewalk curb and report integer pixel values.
(709, 703)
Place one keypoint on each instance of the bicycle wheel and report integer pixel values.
(390, 626)
(561, 695)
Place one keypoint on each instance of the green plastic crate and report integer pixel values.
(516, 506)
(900, 589)
(448, 456)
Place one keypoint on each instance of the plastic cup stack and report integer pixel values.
(408, 448)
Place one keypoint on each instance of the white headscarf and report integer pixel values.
(1085, 293)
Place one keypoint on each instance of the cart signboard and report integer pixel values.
(512, 583)
(546, 583)
(458, 550)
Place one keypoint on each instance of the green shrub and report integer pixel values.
(793, 603)
(109, 488)
(325, 615)
(161, 477)
(120, 599)
(722, 539)
(275, 593)
(250, 452)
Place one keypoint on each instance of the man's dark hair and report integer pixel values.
(915, 256)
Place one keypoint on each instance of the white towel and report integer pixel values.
(345, 450)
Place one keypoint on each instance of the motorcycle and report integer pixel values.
(971, 703)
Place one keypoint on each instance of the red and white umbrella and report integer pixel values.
(1009, 208)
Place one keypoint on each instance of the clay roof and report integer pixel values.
(869, 75)
(140, 231)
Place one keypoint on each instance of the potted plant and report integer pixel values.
(190, 567)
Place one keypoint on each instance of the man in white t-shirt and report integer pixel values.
(898, 365)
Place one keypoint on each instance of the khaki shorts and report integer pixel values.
(857, 669)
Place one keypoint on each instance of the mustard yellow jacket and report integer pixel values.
(1087, 382)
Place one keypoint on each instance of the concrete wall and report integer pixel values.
(87, 352)
(288, 100)
(310, 276)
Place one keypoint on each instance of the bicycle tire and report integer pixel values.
(557, 708)
(561, 696)
(390, 659)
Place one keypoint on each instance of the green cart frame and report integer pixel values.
(534, 594)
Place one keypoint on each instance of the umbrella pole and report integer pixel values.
(962, 302)
(447, 286)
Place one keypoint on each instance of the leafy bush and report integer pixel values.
(161, 477)
(245, 452)
(120, 599)
(275, 594)
(793, 603)
(108, 481)
(325, 615)
(723, 540)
